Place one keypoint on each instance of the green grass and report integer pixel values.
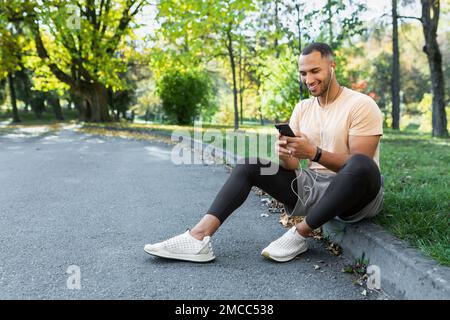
(416, 168)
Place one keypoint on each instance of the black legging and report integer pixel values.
(355, 185)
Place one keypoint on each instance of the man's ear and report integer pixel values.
(333, 65)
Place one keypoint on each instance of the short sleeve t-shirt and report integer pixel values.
(351, 114)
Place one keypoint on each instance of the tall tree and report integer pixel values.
(277, 24)
(85, 51)
(11, 45)
(430, 20)
(226, 18)
(395, 78)
(242, 65)
(302, 21)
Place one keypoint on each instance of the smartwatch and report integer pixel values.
(318, 155)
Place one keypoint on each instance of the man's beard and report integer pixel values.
(325, 86)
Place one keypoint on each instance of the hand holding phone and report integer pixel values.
(284, 129)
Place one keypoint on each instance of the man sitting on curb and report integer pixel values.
(339, 131)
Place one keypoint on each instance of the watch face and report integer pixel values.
(318, 154)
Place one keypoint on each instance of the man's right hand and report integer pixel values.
(280, 147)
(287, 161)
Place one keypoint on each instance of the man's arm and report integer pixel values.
(303, 148)
(366, 145)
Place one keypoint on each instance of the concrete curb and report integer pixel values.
(405, 272)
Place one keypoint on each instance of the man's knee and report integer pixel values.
(360, 164)
(248, 160)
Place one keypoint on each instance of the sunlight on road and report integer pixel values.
(158, 153)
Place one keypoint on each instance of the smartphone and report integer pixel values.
(284, 129)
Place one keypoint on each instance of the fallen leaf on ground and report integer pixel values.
(289, 221)
(334, 248)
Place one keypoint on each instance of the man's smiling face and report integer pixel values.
(315, 72)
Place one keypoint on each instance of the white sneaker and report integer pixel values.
(287, 247)
(183, 247)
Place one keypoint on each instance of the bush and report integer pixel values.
(184, 95)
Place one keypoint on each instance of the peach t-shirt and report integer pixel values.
(351, 114)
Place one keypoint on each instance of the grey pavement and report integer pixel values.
(69, 198)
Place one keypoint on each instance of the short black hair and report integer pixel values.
(324, 49)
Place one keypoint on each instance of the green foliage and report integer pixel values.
(181, 36)
(339, 25)
(184, 95)
(89, 38)
(9, 42)
(281, 87)
(379, 78)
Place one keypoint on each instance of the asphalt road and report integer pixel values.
(69, 198)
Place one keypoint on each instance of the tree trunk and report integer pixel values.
(297, 7)
(38, 103)
(78, 104)
(241, 84)
(233, 71)
(96, 102)
(84, 112)
(431, 48)
(258, 101)
(12, 92)
(330, 23)
(277, 27)
(395, 79)
(56, 106)
(94, 94)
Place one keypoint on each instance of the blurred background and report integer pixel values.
(231, 63)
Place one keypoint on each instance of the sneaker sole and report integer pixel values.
(283, 259)
(185, 257)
